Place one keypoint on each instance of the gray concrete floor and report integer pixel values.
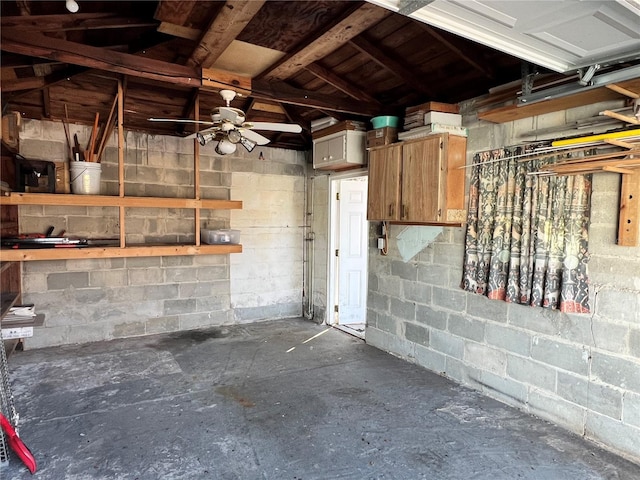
(257, 402)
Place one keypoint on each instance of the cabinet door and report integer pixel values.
(329, 152)
(336, 148)
(384, 183)
(421, 186)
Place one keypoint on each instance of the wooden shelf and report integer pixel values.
(28, 254)
(50, 199)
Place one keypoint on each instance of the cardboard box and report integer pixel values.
(381, 136)
(434, 107)
(338, 127)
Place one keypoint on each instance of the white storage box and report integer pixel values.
(217, 237)
(443, 118)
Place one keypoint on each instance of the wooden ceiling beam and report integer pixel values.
(458, 49)
(179, 31)
(284, 93)
(93, 57)
(174, 11)
(224, 28)
(393, 65)
(38, 83)
(76, 21)
(360, 19)
(339, 83)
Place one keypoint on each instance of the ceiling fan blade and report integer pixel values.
(254, 136)
(233, 115)
(276, 127)
(180, 120)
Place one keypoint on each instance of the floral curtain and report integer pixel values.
(527, 234)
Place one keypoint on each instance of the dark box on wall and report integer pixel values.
(35, 176)
(381, 136)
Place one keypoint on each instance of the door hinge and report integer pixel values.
(337, 252)
(335, 308)
(337, 195)
(441, 144)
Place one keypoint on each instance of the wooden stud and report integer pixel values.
(121, 212)
(196, 168)
(629, 226)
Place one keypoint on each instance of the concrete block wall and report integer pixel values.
(580, 371)
(319, 183)
(102, 299)
(266, 280)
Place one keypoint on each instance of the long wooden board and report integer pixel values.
(17, 198)
(25, 255)
(629, 225)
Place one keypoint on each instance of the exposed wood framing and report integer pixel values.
(174, 11)
(224, 28)
(179, 31)
(219, 79)
(458, 50)
(93, 57)
(341, 84)
(393, 65)
(514, 112)
(629, 226)
(75, 21)
(37, 83)
(349, 27)
(291, 95)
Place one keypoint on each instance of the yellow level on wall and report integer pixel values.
(597, 138)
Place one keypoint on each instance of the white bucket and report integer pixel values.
(85, 177)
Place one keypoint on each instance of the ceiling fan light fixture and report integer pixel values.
(225, 147)
(72, 6)
(234, 136)
(248, 144)
(204, 139)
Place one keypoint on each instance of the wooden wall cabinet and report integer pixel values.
(418, 181)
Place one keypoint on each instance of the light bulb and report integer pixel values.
(234, 136)
(72, 6)
(225, 147)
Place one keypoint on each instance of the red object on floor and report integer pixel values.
(18, 445)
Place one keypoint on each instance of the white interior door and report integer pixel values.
(352, 258)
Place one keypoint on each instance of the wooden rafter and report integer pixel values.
(38, 83)
(393, 65)
(225, 27)
(84, 55)
(458, 49)
(179, 31)
(356, 22)
(284, 93)
(339, 83)
(76, 21)
(174, 11)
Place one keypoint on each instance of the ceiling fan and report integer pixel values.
(229, 127)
